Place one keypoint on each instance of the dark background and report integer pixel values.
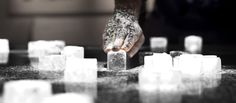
(81, 22)
(214, 20)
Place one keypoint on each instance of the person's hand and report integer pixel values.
(123, 32)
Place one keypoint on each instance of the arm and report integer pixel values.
(122, 30)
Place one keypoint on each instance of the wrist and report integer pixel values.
(131, 7)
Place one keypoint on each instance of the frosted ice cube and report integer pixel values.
(176, 63)
(193, 44)
(157, 72)
(190, 64)
(43, 47)
(158, 44)
(4, 58)
(142, 55)
(149, 80)
(69, 98)
(149, 96)
(211, 81)
(26, 91)
(85, 88)
(176, 53)
(117, 60)
(159, 62)
(162, 62)
(81, 70)
(4, 46)
(73, 51)
(211, 65)
(52, 63)
(149, 63)
(60, 44)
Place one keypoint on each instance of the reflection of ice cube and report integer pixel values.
(159, 87)
(4, 58)
(81, 70)
(52, 63)
(73, 51)
(42, 47)
(69, 98)
(26, 91)
(192, 86)
(4, 46)
(209, 82)
(158, 44)
(117, 60)
(149, 96)
(148, 62)
(85, 88)
(176, 63)
(193, 44)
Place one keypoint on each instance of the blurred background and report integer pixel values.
(81, 22)
(78, 22)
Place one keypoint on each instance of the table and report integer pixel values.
(123, 87)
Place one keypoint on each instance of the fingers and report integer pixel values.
(113, 42)
(107, 42)
(119, 40)
(132, 37)
(108, 36)
(136, 46)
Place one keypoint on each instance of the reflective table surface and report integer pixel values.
(123, 87)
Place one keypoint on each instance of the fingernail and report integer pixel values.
(118, 43)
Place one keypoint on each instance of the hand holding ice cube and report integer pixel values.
(123, 32)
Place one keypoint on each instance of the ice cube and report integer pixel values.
(26, 91)
(193, 44)
(43, 47)
(149, 63)
(149, 80)
(211, 65)
(190, 64)
(4, 58)
(162, 62)
(73, 51)
(81, 70)
(69, 98)
(117, 60)
(4, 46)
(192, 86)
(52, 63)
(142, 55)
(158, 44)
(176, 53)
